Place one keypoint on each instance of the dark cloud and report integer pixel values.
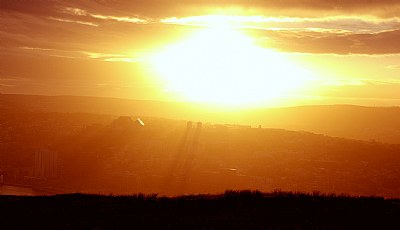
(168, 8)
(111, 26)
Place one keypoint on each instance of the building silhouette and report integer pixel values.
(126, 122)
(45, 164)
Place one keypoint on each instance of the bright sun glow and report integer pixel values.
(220, 65)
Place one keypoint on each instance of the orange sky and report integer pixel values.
(101, 48)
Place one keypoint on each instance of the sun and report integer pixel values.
(220, 65)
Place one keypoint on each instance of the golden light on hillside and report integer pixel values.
(220, 65)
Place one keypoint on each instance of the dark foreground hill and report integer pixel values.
(231, 210)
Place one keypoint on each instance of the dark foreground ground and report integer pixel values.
(231, 210)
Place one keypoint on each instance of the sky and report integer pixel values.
(349, 50)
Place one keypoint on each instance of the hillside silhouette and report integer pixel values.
(349, 121)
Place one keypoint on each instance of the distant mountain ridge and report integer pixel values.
(349, 121)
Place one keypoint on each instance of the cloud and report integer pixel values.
(75, 11)
(10, 81)
(170, 8)
(40, 51)
(332, 35)
(393, 67)
(380, 43)
(292, 8)
(81, 12)
(113, 57)
(114, 26)
(73, 21)
(78, 54)
(338, 23)
(75, 42)
(6, 85)
(125, 59)
(119, 19)
(99, 55)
